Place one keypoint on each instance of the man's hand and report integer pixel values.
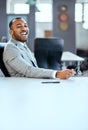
(65, 74)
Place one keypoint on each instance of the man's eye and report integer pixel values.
(18, 26)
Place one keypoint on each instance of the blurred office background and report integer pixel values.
(66, 19)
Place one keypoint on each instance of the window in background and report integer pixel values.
(81, 24)
(21, 9)
(44, 14)
(17, 7)
(78, 12)
(81, 14)
(43, 18)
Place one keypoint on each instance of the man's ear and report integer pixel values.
(11, 32)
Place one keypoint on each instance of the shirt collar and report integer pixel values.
(18, 42)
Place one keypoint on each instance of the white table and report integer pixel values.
(28, 104)
(69, 56)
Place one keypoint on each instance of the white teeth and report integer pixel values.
(23, 33)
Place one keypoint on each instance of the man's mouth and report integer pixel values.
(24, 33)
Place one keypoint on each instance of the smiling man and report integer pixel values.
(19, 29)
(19, 59)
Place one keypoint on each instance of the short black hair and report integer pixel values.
(11, 22)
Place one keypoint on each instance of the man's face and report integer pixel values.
(19, 30)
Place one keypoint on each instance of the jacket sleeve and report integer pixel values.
(14, 59)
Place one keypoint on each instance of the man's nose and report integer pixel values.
(23, 28)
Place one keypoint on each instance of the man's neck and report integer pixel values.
(18, 42)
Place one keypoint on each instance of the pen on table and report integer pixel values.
(50, 82)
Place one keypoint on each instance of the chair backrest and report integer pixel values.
(2, 65)
(48, 52)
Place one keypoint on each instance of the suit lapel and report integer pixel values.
(29, 54)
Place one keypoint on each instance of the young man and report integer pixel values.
(19, 59)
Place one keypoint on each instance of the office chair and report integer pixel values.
(48, 52)
(2, 65)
